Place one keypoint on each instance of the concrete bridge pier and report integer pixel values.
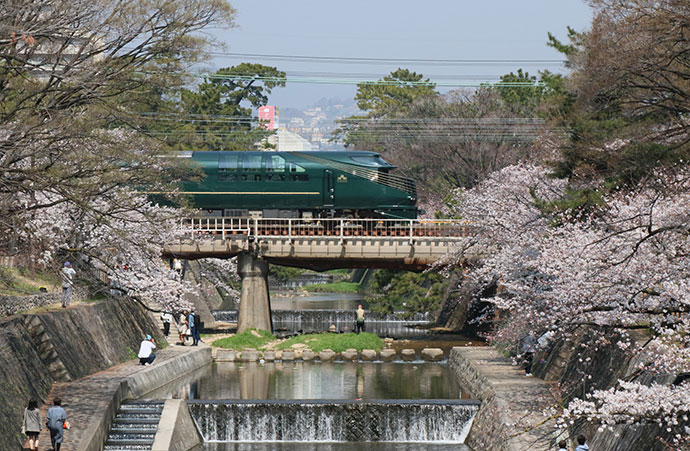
(255, 303)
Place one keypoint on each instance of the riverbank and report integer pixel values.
(510, 417)
(38, 350)
(91, 402)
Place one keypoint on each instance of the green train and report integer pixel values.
(299, 185)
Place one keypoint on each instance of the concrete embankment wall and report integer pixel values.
(63, 345)
(510, 417)
(176, 430)
(113, 389)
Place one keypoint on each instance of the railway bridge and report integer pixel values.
(318, 244)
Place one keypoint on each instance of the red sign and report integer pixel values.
(267, 116)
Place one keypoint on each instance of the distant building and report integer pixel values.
(285, 141)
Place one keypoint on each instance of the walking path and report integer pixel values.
(92, 401)
(511, 417)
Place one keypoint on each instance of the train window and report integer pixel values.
(227, 165)
(251, 163)
(275, 178)
(292, 167)
(370, 160)
(227, 176)
(275, 163)
(299, 177)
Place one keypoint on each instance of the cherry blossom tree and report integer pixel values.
(622, 265)
(117, 238)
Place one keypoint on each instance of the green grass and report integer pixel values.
(22, 281)
(340, 272)
(245, 340)
(335, 342)
(335, 287)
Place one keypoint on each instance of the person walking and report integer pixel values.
(359, 316)
(562, 446)
(166, 317)
(67, 274)
(56, 422)
(32, 424)
(191, 319)
(581, 444)
(146, 354)
(182, 327)
(527, 347)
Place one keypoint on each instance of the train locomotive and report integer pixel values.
(272, 184)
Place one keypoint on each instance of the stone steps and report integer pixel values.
(45, 349)
(135, 426)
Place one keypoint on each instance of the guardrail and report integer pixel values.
(342, 228)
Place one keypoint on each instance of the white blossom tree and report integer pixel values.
(623, 266)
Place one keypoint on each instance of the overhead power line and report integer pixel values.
(363, 60)
(353, 81)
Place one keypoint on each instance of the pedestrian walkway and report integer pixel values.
(91, 402)
(512, 414)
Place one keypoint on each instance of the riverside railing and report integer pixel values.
(342, 228)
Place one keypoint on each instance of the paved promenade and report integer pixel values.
(91, 402)
(511, 416)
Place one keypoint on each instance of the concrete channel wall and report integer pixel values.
(114, 390)
(510, 417)
(176, 430)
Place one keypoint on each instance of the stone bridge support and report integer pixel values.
(255, 303)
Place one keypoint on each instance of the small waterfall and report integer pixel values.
(333, 421)
(300, 281)
(319, 320)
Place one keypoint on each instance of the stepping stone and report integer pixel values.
(288, 355)
(388, 354)
(349, 354)
(308, 354)
(368, 355)
(269, 356)
(408, 354)
(226, 355)
(432, 354)
(249, 355)
(326, 355)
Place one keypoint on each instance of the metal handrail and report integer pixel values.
(340, 228)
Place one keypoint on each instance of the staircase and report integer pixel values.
(134, 426)
(46, 350)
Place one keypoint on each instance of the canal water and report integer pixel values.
(311, 405)
(330, 406)
(315, 380)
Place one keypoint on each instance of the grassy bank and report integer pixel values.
(21, 281)
(335, 287)
(336, 342)
(252, 338)
(258, 339)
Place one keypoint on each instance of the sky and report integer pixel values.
(504, 34)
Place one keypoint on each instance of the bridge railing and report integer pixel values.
(337, 228)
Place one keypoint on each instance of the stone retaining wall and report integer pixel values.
(9, 305)
(67, 344)
(510, 417)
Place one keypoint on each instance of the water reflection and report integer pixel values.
(315, 380)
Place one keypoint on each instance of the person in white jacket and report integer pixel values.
(146, 354)
(581, 444)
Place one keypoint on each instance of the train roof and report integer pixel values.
(357, 157)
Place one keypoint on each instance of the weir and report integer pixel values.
(319, 320)
(446, 421)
